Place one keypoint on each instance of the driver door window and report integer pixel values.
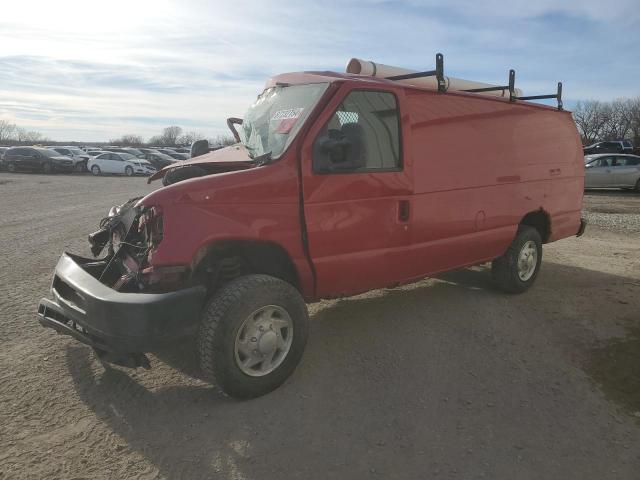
(363, 135)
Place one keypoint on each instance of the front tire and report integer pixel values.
(11, 167)
(252, 335)
(517, 269)
(128, 171)
(95, 169)
(47, 168)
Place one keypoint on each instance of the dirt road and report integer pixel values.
(446, 378)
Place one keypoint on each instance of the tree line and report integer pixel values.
(11, 134)
(616, 120)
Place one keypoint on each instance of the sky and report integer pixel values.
(86, 70)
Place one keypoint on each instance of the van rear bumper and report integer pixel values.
(113, 321)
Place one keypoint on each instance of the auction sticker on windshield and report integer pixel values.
(287, 119)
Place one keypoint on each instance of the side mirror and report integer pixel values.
(199, 147)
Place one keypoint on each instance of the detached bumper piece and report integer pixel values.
(118, 326)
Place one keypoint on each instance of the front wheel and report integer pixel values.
(517, 269)
(252, 335)
(128, 171)
(11, 167)
(95, 169)
(47, 168)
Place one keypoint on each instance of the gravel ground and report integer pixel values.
(446, 378)
(613, 209)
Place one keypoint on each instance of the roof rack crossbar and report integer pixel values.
(557, 96)
(438, 73)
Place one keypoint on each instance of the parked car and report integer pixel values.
(117, 162)
(340, 185)
(79, 157)
(95, 153)
(159, 160)
(36, 159)
(175, 155)
(612, 171)
(618, 146)
(130, 150)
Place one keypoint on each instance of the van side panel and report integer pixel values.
(480, 165)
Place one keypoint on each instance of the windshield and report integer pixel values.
(275, 118)
(77, 151)
(126, 156)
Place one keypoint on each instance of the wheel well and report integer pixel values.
(541, 221)
(221, 262)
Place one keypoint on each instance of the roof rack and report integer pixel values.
(442, 85)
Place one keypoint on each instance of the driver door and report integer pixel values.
(357, 192)
(600, 173)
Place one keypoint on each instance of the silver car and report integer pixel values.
(609, 170)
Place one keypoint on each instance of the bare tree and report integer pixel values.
(28, 136)
(129, 140)
(7, 131)
(222, 141)
(590, 118)
(188, 138)
(170, 135)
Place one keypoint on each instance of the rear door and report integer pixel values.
(599, 173)
(356, 190)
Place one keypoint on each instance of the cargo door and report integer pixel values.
(356, 192)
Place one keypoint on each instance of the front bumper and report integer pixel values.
(112, 321)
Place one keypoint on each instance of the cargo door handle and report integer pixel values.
(555, 171)
(403, 210)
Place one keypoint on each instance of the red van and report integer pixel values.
(339, 184)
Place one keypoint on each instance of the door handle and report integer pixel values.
(555, 171)
(403, 210)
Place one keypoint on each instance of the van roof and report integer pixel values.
(301, 78)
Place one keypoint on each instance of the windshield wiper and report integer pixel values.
(263, 159)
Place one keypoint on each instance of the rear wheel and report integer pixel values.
(252, 335)
(517, 269)
(637, 189)
(11, 167)
(47, 168)
(95, 169)
(128, 171)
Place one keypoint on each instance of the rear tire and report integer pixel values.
(637, 188)
(47, 168)
(244, 344)
(11, 167)
(128, 171)
(517, 269)
(95, 169)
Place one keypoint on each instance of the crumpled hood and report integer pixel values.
(230, 158)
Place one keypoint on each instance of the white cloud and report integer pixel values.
(91, 71)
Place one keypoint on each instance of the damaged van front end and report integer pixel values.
(119, 304)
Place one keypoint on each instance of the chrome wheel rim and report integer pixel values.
(527, 260)
(263, 341)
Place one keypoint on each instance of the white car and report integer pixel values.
(123, 163)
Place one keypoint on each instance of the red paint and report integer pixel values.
(473, 167)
